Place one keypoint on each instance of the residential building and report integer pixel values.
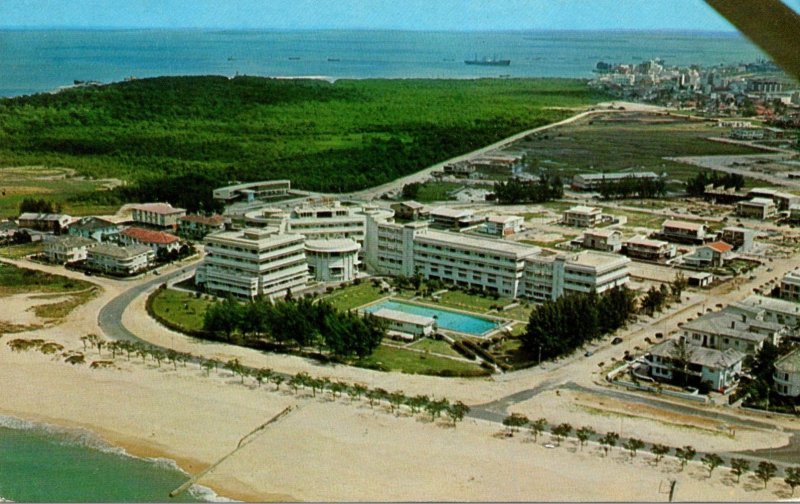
(732, 329)
(787, 374)
(461, 169)
(95, 228)
(118, 260)
(161, 215)
(390, 246)
(332, 260)
(782, 200)
(452, 218)
(769, 309)
(605, 240)
(253, 262)
(790, 286)
(740, 238)
(550, 276)
(583, 216)
(747, 133)
(756, 208)
(700, 279)
(711, 255)
(406, 323)
(498, 163)
(648, 250)
(504, 225)
(676, 231)
(593, 181)
(156, 240)
(67, 249)
(51, 223)
(716, 368)
(410, 210)
(252, 191)
(196, 227)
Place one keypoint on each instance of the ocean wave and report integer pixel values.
(206, 494)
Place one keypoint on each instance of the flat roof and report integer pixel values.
(249, 237)
(692, 226)
(597, 259)
(334, 245)
(503, 219)
(485, 245)
(159, 208)
(758, 202)
(583, 209)
(406, 318)
(638, 240)
(616, 175)
(111, 250)
(605, 233)
(789, 363)
(452, 213)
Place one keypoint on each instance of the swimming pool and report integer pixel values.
(445, 319)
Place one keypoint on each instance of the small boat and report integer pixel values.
(488, 61)
(334, 59)
(294, 58)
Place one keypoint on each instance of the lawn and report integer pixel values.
(435, 346)
(14, 280)
(20, 251)
(437, 191)
(521, 312)
(406, 361)
(640, 219)
(62, 308)
(181, 308)
(470, 302)
(353, 296)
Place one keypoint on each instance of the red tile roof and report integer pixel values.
(147, 236)
(720, 246)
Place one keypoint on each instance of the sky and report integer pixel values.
(461, 15)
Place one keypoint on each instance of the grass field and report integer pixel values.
(470, 302)
(20, 251)
(436, 191)
(435, 346)
(14, 280)
(181, 308)
(353, 296)
(62, 308)
(406, 361)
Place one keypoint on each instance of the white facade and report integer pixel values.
(717, 368)
(745, 332)
(756, 208)
(547, 277)
(68, 249)
(253, 262)
(787, 374)
(117, 260)
(790, 286)
(407, 323)
(583, 216)
(332, 260)
(504, 225)
(604, 240)
(157, 214)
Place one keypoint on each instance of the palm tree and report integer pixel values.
(172, 355)
(537, 427)
(208, 365)
(739, 466)
(235, 367)
(396, 399)
(514, 422)
(659, 450)
(359, 389)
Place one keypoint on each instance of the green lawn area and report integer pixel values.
(62, 308)
(406, 361)
(22, 250)
(521, 312)
(181, 308)
(435, 346)
(436, 191)
(470, 302)
(353, 296)
(15, 280)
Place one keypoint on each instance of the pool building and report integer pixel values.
(416, 326)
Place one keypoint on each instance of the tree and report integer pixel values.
(633, 445)
(263, 374)
(765, 471)
(561, 431)
(514, 421)
(411, 190)
(583, 434)
(235, 367)
(792, 477)
(685, 454)
(457, 411)
(678, 285)
(712, 461)
(435, 408)
(208, 365)
(659, 451)
(172, 356)
(359, 390)
(739, 466)
(537, 427)
(608, 441)
(681, 354)
(277, 380)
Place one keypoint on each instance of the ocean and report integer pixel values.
(33, 61)
(39, 463)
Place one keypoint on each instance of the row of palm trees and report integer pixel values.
(764, 471)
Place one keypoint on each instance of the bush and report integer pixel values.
(463, 350)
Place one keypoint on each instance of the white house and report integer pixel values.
(117, 260)
(787, 374)
(504, 225)
(161, 215)
(717, 368)
(68, 249)
(711, 255)
(757, 208)
(402, 322)
(583, 216)
(605, 240)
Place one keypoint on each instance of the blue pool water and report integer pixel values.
(445, 319)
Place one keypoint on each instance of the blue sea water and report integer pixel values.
(43, 60)
(40, 463)
(445, 319)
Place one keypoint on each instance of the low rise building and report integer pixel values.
(756, 208)
(593, 181)
(740, 238)
(156, 240)
(790, 286)
(504, 225)
(729, 329)
(253, 262)
(410, 210)
(583, 216)
(794, 214)
(406, 323)
(460, 169)
(692, 233)
(161, 215)
(747, 133)
(716, 368)
(95, 228)
(782, 200)
(787, 374)
(648, 250)
(68, 249)
(50, 223)
(712, 255)
(252, 191)
(452, 218)
(605, 240)
(700, 279)
(118, 260)
(769, 309)
(196, 227)
(332, 260)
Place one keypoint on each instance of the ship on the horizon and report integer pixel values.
(488, 61)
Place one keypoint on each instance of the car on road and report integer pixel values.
(616, 341)
(588, 353)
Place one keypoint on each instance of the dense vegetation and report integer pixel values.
(515, 191)
(633, 187)
(696, 186)
(173, 138)
(300, 323)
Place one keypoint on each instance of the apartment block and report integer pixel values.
(790, 286)
(583, 216)
(162, 215)
(605, 240)
(648, 250)
(756, 208)
(117, 260)
(684, 232)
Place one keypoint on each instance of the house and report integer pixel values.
(769, 309)
(51, 223)
(410, 210)
(716, 368)
(94, 228)
(407, 323)
(452, 218)
(756, 208)
(790, 286)
(731, 329)
(117, 260)
(740, 238)
(648, 250)
(701, 279)
(583, 216)
(787, 374)
(68, 249)
(676, 231)
(593, 181)
(461, 169)
(712, 255)
(156, 240)
(794, 213)
(196, 227)
(606, 240)
(252, 191)
(504, 225)
(161, 215)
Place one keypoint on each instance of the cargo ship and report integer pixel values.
(488, 61)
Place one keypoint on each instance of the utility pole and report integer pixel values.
(672, 489)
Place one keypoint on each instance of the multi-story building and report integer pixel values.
(157, 240)
(550, 276)
(782, 200)
(787, 374)
(196, 227)
(593, 181)
(769, 309)
(756, 208)
(68, 249)
(790, 286)
(717, 368)
(161, 215)
(94, 228)
(252, 191)
(410, 210)
(52, 223)
(648, 250)
(605, 240)
(583, 216)
(452, 218)
(117, 260)
(332, 260)
(253, 262)
(504, 225)
(740, 238)
(731, 329)
(711, 255)
(684, 232)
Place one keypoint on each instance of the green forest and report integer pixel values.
(175, 138)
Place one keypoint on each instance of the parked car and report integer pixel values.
(659, 335)
(588, 353)
(616, 341)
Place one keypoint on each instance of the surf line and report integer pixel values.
(248, 438)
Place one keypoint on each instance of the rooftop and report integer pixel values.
(691, 226)
(646, 242)
(412, 204)
(708, 357)
(720, 246)
(335, 245)
(605, 233)
(92, 223)
(404, 317)
(111, 250)
(149, 236)
(597, 260)
(159, 208)
(486, 245)
(582, 209)
(789, 363)
(503, 219)
(772, 304)
(452, 213)
(42, 216)
(213, 220)
(617, 175)
(727, 323)
(72, 241)
(758, 202)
